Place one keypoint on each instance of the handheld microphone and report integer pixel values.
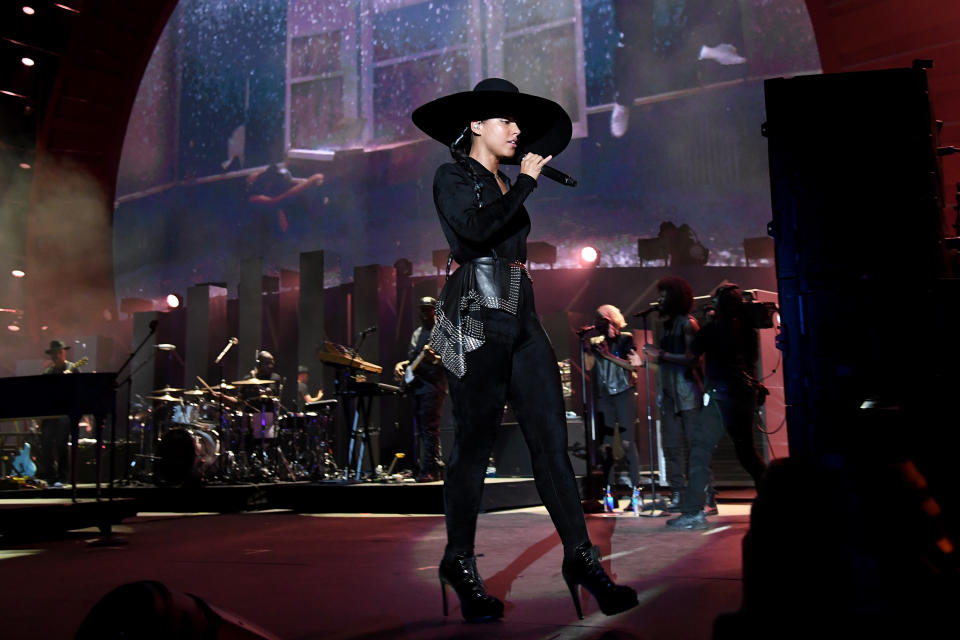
(557, 176)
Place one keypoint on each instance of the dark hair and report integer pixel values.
(728, 300)
(460, 150)
(680, 299)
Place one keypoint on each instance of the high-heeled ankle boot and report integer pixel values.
(582, 567)
(460, 572)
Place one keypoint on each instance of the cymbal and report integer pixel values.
(164, 398)
(194, 392)
(223, 386)
(253, 381)
(166, 390)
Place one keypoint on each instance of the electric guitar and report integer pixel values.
(72, 366)
(23, 464)
(409, 374)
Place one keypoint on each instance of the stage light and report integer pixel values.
(25, 166)
(29, 11)
(18, 273)
(174, 301)
(27, 62)
(588, 256)
(13, 327)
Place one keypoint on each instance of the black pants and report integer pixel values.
(427, 410)
(674, 428)
(735, 406)
(516, 364)
(702, 437)
(618, 413)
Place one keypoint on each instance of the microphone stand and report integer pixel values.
(113, 429)
(591, 501)
(655, 507)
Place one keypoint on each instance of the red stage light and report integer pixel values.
(29, 11)
(173, 300)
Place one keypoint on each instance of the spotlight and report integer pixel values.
(174, 301)
(27, 62)
(29, 11)
(13, 327)
(25, 166)
(18, 273)
(588, 256)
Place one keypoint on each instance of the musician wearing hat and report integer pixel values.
(55, 432)
(488, 335)
(423, 377)
(303, 388)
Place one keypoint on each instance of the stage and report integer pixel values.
(315, 575)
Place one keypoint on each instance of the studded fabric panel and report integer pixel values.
(454, 338)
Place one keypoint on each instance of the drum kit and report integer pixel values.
(232, 433)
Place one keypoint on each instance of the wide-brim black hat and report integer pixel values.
(56, 345)
(545, 128)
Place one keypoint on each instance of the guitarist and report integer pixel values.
(613, 359)
(55, 432)
(426, 384)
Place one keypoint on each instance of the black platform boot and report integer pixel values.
(460, 572)
(583, 567)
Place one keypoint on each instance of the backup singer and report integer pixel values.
(614, 360)
(488, 335)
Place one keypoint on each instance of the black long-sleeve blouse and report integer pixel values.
(487, 232)
(500, 226)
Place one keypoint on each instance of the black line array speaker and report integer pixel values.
(855, 185)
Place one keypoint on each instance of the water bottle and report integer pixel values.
(608, 504)
(636, 501)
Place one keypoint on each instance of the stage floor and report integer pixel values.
(363, 576)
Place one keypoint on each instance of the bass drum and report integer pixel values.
(186, 455)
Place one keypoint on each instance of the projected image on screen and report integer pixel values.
(266, 128)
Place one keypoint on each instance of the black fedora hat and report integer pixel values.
(56, 345)
(545, 128)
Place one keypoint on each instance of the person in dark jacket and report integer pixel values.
(489, 337)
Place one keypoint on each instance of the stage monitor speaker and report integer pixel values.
(148, 610)
(512, 457)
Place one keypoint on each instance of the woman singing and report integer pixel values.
(488, 335)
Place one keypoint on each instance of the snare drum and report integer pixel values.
(186, 454)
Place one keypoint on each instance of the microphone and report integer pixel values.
(557, 176)
(165, 346)
(372, 328)
(645, 312)
(585, 328)
(230, 343)
(153, 325)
